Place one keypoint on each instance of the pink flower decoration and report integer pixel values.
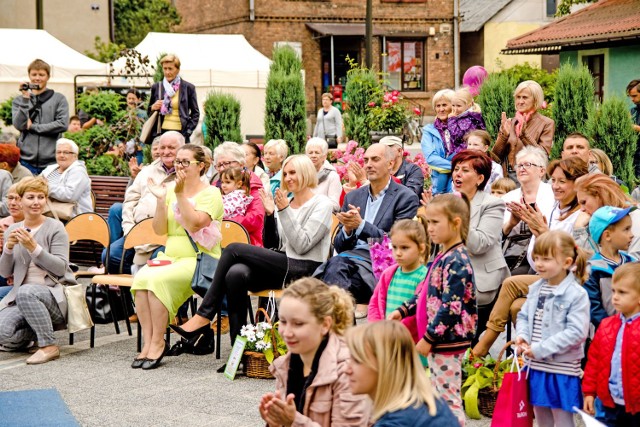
(544, 105)
(394, 99)
(417, 111)
(477, 365)
(381, 255)
(395, 93)
(455, 307)
(372, 104)
(441, 329)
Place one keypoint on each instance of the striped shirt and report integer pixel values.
(564, 368)
(403, 287)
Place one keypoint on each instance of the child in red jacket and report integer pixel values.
(612, 373)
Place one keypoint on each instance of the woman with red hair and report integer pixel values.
(10, 161)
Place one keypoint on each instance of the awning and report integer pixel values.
(342, 29)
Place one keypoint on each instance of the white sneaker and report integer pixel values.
(96, 270)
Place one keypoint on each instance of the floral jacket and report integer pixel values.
(445, 310)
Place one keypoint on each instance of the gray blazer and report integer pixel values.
(485, 247)
(54, 259)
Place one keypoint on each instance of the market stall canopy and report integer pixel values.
(209, 60)
(21, 46)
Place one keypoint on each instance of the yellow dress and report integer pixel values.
(171, 283)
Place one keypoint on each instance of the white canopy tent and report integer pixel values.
(19, 47)
(221, 62)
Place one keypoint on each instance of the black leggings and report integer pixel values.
(242, 268)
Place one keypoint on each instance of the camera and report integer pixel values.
(29, 86)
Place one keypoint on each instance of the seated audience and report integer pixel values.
(10, 161)
(273, 154)
(599, 159)
(367, 212)
(313, 387)
(409, 174)
(253, 162)
(502, 186)
(385, 366)
(15, 215)
(231, 155)
(75, 125)
(303, 225)
(189, 214)
(328, 179)
(481, 140)
(68, 179)
(36, 254)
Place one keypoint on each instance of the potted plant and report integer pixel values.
(387, 115)
(264, 345)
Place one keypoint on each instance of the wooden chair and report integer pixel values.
(92, 227)
(141, 234)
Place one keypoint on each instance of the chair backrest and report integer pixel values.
(232, 232)
(143, 234)
(334, 225)
(88, 226)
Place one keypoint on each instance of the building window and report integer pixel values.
(552, 8)
(404, 64)
(595, 64)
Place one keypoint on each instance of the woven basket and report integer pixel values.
(487, 396)
(255, 364)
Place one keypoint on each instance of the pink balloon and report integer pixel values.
(473, 78)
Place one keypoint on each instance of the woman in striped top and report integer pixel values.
(552, 328)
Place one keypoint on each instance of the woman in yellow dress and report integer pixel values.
(193, 207)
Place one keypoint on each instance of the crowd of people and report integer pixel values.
(503, 235)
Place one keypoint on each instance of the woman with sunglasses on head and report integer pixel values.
(193, 208)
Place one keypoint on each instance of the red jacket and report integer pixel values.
(598, 369)
(253, 220)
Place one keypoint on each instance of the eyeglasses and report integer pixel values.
(66, 153)
(184, 163)
(224, 165)
(526, 165)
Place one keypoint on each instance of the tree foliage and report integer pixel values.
(105, 51)
(564, 7)
(222, 119)
(285, 116)
(6, 112)
(611, 130)
(363, 87)
(496, 96)
(573, 103)
(135, 18)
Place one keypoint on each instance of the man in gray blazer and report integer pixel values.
(367, 212)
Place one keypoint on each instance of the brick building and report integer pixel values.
(417, 36)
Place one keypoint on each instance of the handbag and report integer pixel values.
(62, 211)
(512, 406)
(78, 316)
(147, 128)
(205, 268)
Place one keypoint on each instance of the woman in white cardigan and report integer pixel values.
(329, 122)
(303, 225)
(68, 178)
(328, 179)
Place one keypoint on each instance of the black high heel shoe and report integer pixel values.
(137, 363)
(154, 363)
(189, 334)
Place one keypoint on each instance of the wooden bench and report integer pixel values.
(107, 191)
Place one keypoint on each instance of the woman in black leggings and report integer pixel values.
(303, 226)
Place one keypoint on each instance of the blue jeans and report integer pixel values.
(616, 417)
(4, 290)
(115, 222)
(34, 170)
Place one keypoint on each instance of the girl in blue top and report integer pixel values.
(552, 327)
(385, 365)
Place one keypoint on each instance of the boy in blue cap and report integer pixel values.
(610, 229)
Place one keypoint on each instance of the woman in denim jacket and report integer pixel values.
(552, 327)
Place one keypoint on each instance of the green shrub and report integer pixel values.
(106, 105)
(573, 104)
(5, 111)
(222, 118)
(285, 116)
(363, 87)
(107, 165)
(526, 71)
(611, 130)
(496, 96)
(158, 75)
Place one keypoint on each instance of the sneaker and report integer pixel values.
(96, 270)
(224, 327)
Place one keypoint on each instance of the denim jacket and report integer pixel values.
(565, 323)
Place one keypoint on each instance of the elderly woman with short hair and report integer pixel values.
(273, 154)
(232, 155)
(68, 179)
(435, 140)
(174, 99)
(528, 127)
(329, 122)
(328, 179)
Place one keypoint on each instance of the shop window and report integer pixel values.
(405, 64)
(595, 64)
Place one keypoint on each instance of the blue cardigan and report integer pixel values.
(419, 417)
(436, 157)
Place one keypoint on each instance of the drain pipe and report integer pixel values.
(456, 42)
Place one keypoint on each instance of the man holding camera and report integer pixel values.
(41, 115)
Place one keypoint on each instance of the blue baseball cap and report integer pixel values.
(603, 218)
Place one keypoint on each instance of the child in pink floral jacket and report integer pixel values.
(445, 309)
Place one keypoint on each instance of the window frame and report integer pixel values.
(423, 55)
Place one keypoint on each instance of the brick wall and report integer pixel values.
(284, 20)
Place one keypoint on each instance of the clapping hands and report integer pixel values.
(158, 190)
(276, 411)
(267, 201)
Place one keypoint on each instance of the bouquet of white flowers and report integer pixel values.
(264, 338)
